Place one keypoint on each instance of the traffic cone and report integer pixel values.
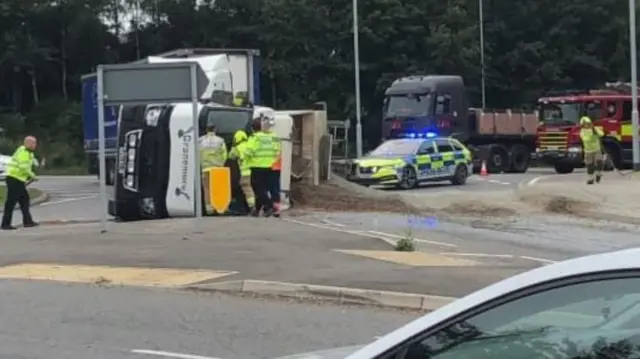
(483, 169)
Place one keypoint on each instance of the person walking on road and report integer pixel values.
(238, 152)
(213, 153)
(262, 151)
(592, 147)
(19, 175)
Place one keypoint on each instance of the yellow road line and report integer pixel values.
(414, 259)
(127, 276)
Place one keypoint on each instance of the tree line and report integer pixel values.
(307, 49)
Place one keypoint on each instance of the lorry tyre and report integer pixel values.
(498, 160)
(520, 158)
(563, 168)
(460, 176)
(111, 173)
(409, 178)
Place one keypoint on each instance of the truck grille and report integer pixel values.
(553, 140)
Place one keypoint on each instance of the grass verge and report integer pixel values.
(63, 171)
(33, 192)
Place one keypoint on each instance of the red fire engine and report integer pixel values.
(558, 141)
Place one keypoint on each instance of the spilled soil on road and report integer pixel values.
(332, 197)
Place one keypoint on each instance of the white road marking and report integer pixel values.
(332, 223)
(481, 255)
(66, 200)
(535, 180)
(536, 259)
(415, 239)
(169, 354)
(322, 226)
(499, 182)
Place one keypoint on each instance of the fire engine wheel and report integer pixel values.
(409, 178)
(612, 161)
(563, 168)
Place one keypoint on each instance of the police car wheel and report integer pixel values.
(460, 176)
(409, 178)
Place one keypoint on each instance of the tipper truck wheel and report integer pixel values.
(520, 157)
(498, 160)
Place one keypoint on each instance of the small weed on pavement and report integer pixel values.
(407, 243)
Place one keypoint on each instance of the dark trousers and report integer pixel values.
(16, 194)
(260, 184)
(274, 185)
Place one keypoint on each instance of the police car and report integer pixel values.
(407, 162)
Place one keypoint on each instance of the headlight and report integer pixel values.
(575, 149)
(132, 140)
(132, 154)
(130, 181)
(130, 167)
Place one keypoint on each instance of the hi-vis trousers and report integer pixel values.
(245, 183)
(594, 163)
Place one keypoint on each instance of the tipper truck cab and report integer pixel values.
(558, 140)
(437, 105)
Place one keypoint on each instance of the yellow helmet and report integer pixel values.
(239, 136)
(585, 120)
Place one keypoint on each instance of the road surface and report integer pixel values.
(70, 198)
(77, 197)
(63, 321)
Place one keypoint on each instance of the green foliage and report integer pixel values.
(307, 50)
(406, 243)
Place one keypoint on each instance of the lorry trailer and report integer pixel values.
(231, 72)
(437, 105)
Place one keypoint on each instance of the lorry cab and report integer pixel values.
(558, 139)
(424, 106)
(155, 160)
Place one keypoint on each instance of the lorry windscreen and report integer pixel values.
(229, 121)
(568, 113)
(407, 105)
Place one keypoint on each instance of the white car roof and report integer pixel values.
(619, 260)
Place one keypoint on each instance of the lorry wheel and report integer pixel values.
(409, 178)
(460, 176)
(563, 168)
(498, 160)
(111, 173)
(520, 157)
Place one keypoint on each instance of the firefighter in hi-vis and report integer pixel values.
(592, 147)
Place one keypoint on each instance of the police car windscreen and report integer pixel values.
(229, 121)
(396, 148)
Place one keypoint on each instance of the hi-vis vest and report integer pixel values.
(213, 151)
(21, 165)
(263, 149)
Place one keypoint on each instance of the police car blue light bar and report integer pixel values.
(421, 135)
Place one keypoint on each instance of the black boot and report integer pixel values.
(590, 181)
(598, 178)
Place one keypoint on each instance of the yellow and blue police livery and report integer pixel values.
(407, 162)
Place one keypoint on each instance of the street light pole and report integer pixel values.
(634, 85)
(482, 76)
(356, 59)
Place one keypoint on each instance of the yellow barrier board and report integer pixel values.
(220, 189)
